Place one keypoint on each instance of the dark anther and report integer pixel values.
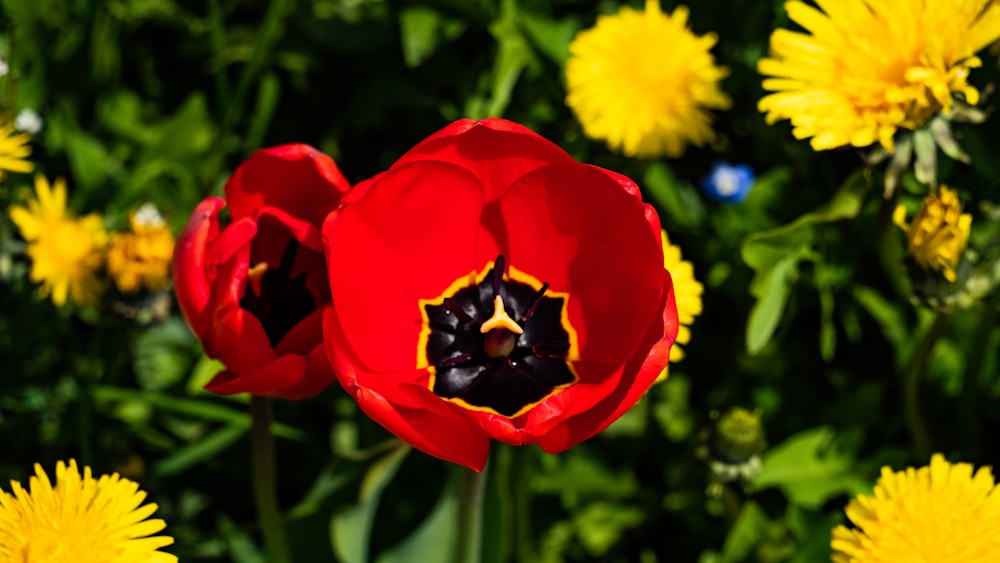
(458, 311)
(498, 267)
(550, 349)
(459, 359)
(535, 302)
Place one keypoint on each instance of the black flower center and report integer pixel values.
(276, 297)
(498, 345)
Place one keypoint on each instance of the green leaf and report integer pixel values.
(162, 355)
(672, 407)
(198, 452)
(89, 160)
(680, 203)
(748, 530)
(550, 36)
(513, 56)
(201, 409)
(268, 92)
(810, 467)
(775, 254)
(600, 525)
(350, 530)
(435, 538)
(421, 30)
(812, 533)
(891, 320)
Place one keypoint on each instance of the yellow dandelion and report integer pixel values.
(65, 252)
(939, 513)
(939, 233)
(140, 259)
(80, 519)
(863, 69)
(687, 292)
(14, 150)
(643, 82)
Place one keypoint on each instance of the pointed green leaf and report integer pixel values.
(350, 530)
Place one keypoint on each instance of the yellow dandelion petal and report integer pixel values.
(687, 293)
(79, 519)
(643, 82)
(66, 253)
(939, 233)
(864, 69)
(14, 151)
(140, 259)
(941, 512)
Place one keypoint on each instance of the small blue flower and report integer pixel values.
(728, 183)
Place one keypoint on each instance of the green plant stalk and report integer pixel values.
(265, 496)
(912, 380)
(889, 247)
(968, 404)
(471, 487)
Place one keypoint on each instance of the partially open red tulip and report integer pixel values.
(255, 290)
(487, 286)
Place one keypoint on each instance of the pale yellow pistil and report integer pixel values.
(501, 331)
(255, 275)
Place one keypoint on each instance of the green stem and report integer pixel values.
(264, 483)
(470, 516)
(889, 247)
(968, 403)
(911, 384)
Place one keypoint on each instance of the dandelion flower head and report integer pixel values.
(687, 292)
(939, 233)
(644, 82)
(864, 69)
(942, 512)
(140, 258)
(14, 151)
(79, 519)
(65, 252)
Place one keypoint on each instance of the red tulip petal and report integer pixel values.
(189, 264)
(304, 336)
(404, 406)
(233, 241)
(296, 178)
(411, 236)
(496, 151)
(633, 189)
(276, 229)
(646, 368)
(236, 337)
(572, 226)
(291, 377)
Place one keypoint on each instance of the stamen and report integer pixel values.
(255, 275)
(499, 265)
(500, 319)
(455, 360)
(535, 302)
(457, 310)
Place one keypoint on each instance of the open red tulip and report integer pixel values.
(487, 286)
(254, 291)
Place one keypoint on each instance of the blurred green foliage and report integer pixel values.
(807, 315)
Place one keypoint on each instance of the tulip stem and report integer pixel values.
(911, 384)
(470, 515)
(265, 494)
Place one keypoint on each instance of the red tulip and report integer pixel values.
(487, 286)
(254, 292)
